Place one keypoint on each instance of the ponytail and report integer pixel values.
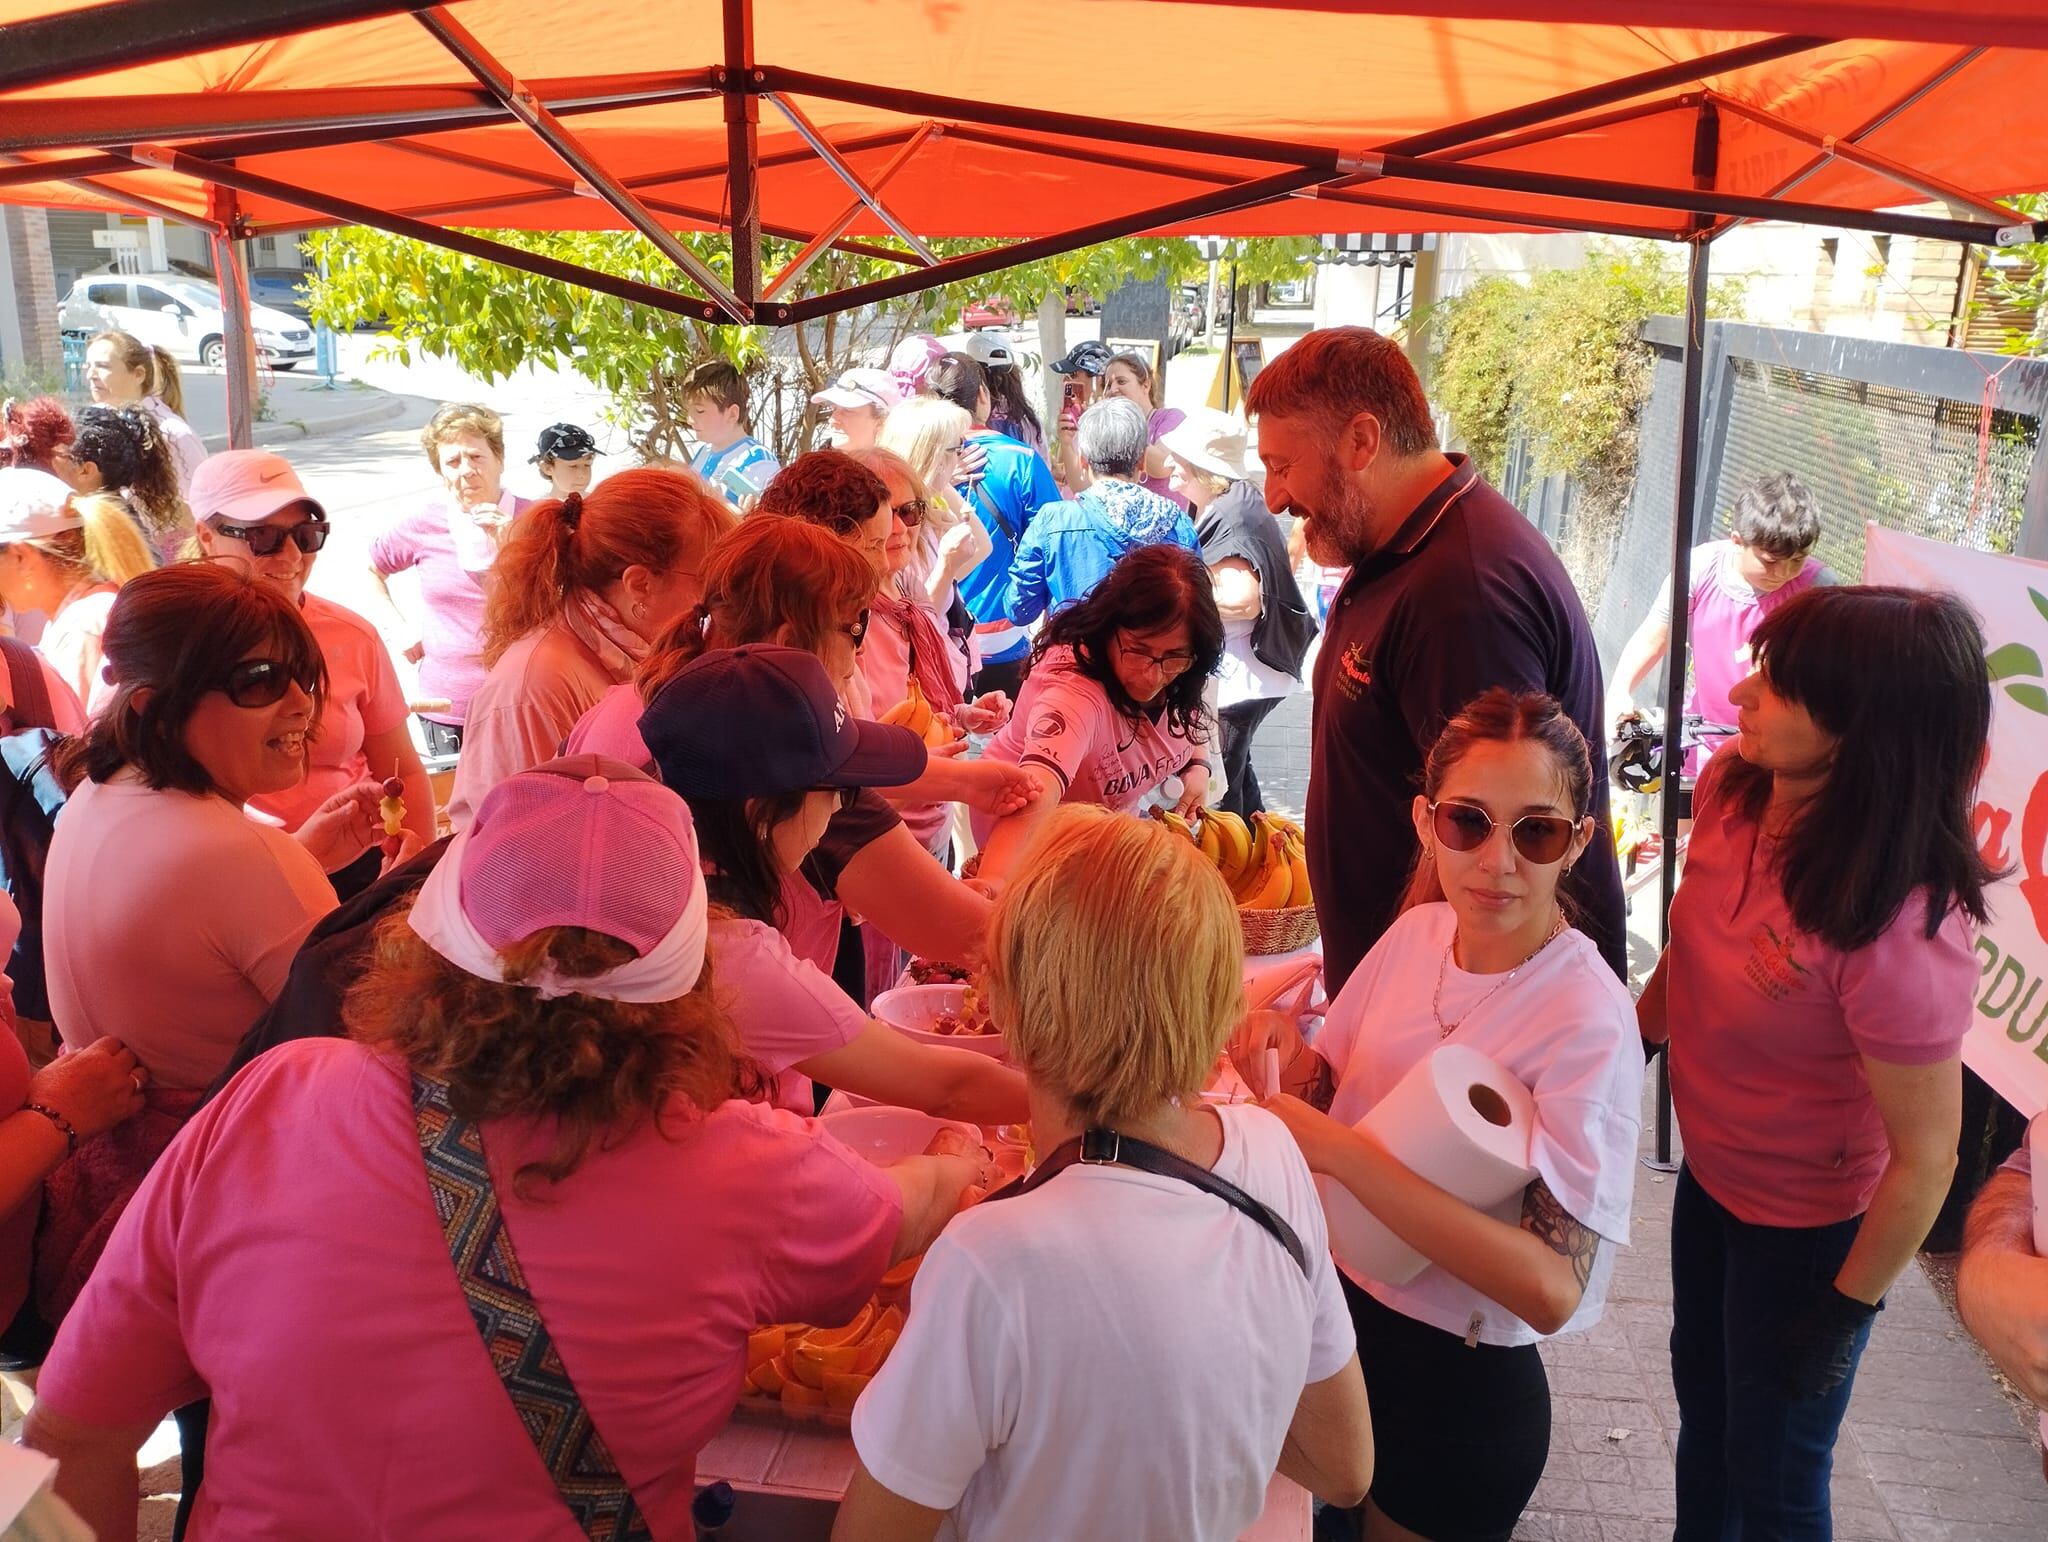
(112, 544)
(165, 383)
(685, 639)
(561, 548)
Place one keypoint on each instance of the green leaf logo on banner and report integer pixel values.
(2040, 601)
(2013, 659)
(2032, 697)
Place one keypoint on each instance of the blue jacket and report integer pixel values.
(1071, 547)
(1014, 486)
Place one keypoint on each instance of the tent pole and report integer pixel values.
(1706, 151)
(794, 268)
(742, 148)
(351, 213)
(229, 272)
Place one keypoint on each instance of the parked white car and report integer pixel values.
(179, 314)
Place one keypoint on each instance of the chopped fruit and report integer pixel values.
(852, 1333)
(764, 1344)
(768, 1378)
(843, 1389)
(796, 1395)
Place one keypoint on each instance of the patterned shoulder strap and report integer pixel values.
(515, 1337)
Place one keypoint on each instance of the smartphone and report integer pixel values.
(737, 486)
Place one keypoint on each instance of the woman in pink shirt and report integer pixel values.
(580, 592)
(1113, 704)
(65, 556)
(537, 1088)
(252, 508)
(1816, 992)
(451, 544)
(758, 742)
(785, 581)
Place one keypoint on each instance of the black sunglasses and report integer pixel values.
(857, 628)
(911, 511)
(268, 540)
(1540, 838)
(263, 682)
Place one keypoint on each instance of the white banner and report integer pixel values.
(2008, 1043)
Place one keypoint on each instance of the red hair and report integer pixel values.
(33, 431)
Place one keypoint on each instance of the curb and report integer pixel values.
(286, 433)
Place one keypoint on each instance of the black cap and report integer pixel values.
(1089, 358)
(565, 441)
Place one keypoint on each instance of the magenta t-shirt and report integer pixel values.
(452, 636)
(284, 1256)
(1725, 613)
(1065, 722)
(1770, 1027)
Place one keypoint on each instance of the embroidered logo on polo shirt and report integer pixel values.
(1772, 968)
(1354, 672)
(1049, 724)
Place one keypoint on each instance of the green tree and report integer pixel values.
(491, 319)
(2019, 279)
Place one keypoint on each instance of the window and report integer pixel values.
(149, 298)
(107, 294)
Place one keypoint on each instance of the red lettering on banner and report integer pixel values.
(2034, 855)
(1991, 840)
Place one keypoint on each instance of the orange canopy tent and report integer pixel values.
(879, 122)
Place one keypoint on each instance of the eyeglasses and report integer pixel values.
(857, 628)
(263, 682)
(1540, 838)
(911, 511)
(847, 796)
(1177, 662)
(268, 540)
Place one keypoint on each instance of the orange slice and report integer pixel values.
(797, 1395)
(852, 1333)
(843, 1389)
(875, 1351)
(764, 1344)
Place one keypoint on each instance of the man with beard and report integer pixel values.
(1451, 591)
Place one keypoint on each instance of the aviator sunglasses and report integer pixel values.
(263, 682)
(1540, 838)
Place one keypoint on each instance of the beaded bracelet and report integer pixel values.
(64, 1125)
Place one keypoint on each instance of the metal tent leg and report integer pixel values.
(228, 269)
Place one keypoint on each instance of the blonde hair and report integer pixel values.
(918, 432)
(160, 377)
(462, 418)
(109, 548)
(563, 547)
(1115, 1006)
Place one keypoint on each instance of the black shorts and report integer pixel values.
(1460, 1436)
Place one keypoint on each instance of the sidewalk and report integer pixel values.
(1932, 1451)
(296, 405)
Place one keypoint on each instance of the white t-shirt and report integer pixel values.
(1565, 1028)
(1112, 1355)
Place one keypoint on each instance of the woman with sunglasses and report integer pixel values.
(757, 742)
(1484, 956)
(1818, 985)
(1113, 705)
(583, 587)
(949, 542)
(253, 512)
(784, 581)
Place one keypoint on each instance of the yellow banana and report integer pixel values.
(1297, 874)
(1233, 841)
(1278, 879)
(1179, 826)
(1211, 842)
(913, 712)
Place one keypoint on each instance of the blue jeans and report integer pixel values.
(1753, 1462)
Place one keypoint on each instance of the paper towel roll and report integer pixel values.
(1458, 1119)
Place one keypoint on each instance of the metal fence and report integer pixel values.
(1941, 442)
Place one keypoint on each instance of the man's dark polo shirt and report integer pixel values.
(1465, 596)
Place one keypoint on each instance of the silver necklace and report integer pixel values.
(1436, 1006)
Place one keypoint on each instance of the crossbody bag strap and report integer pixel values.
(977, 490)
(515, 1336)
(1106, 1148)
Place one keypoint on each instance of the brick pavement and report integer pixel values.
(1932, 1451)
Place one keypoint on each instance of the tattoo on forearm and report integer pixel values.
(1548, 1220)
(1322, 1085)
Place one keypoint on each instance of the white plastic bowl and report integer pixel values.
(884, 1135)
(911, 1010)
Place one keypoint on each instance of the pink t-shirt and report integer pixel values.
(1064, 721)
(17, 1230)
(363, 698)
(284, 1256)
(785, 1008)
(1725, 613)
(1769, 1029)
(170, 922)
(612, 727)
(71, 644)
(885, 670)
(534, 695)
(452, 632)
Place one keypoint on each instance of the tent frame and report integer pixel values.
(202, 136)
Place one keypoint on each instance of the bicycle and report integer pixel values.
(1635, 765)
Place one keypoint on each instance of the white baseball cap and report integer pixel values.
(989, 348)
(861, 388)
(33, 504)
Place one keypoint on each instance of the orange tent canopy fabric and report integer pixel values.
(1939, 88)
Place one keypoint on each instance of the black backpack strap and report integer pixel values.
(1106, 1148)
(521, 1350)
(28, 689)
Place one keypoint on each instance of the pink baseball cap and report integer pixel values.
(586, 841)
(246, 487)
(913, 356)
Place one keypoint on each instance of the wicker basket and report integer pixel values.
(1278, 931)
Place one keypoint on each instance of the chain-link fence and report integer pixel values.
(1937, 441)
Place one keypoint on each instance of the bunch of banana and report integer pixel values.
(1265, 864)
(915, 713)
